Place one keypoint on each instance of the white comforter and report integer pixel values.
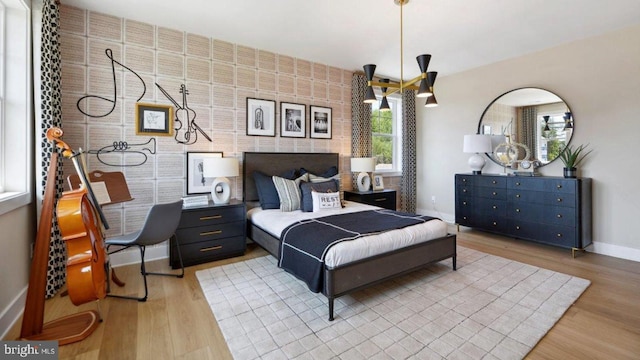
(274, 221)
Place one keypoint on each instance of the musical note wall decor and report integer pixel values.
(125, 147)
(185, 121)
(113, 101)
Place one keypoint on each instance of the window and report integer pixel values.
(386, 136)
(553, 137)
(15, 105)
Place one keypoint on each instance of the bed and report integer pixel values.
(355, 274)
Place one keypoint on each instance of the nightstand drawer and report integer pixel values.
(384, 199)
(202, 233)
(205, 251)
(212, 216)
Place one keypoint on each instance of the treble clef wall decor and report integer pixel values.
(124, 147)
(113, 101)
(185, 121)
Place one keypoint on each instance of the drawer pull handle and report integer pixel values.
(494, 182)
(464, 217)
(518, 195)
(464, 203)
(494, 207)
(495, 223)
(381, 199)
(464, 180)
(211, 248)
(559, 186)
(215, 232)
(211, 217)
(464, 190)
(559, 216)
(517, 227)
(494, 193)
(559, 235)
(517, 210)
(559, 199)
(517, 184)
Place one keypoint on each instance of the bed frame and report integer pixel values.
(356, 275)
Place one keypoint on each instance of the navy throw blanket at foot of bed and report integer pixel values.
(304, 244)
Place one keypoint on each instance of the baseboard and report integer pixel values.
(132, 255)
(12, 313)
(618, 251)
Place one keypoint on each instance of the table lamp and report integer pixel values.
(220, 168)
(476, 144)
(363, 166)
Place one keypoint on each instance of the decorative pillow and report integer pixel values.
(325, 201)
(267, 193)
(289, 192)
(332, 171)
(307, 187)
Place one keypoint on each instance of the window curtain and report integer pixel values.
(361, 143)
(51, 116)
(408, 192)
(528, 129)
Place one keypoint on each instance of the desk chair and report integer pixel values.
(161, 224)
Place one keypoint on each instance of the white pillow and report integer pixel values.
(289, 192)
(325, 201)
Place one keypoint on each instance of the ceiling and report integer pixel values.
(459, 34)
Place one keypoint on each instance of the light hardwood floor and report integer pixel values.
(176, 322)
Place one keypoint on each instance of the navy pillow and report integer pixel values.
(306, 203)
(267, 193)
(332, 171)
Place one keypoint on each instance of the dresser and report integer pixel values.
(550, 210)
(384, 198)
(210, 232)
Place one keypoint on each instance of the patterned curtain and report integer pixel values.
(408, 193)
(361, 121)
(528, 128)
(50, 71)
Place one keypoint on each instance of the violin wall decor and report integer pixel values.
(186, 128)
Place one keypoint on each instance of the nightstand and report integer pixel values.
(384, 198)
(210, 232)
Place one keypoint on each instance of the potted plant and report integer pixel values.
(571, 157)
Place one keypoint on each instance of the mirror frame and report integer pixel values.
(572, 119)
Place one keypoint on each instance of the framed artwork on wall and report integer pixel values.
(196, 182)
(261, 117)
(293, 120)
(320, 122)
(154, 119)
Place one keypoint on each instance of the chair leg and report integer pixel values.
(181, 275)
(144, 279)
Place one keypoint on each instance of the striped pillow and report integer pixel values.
(289, 192)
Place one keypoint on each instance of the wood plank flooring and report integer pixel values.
(176, 322)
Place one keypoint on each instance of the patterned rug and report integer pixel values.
(490, 308)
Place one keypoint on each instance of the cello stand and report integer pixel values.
(68, 329)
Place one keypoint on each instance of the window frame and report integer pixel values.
(395, 102)
(16, 146)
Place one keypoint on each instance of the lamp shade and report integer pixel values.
(220, 168)
(363, 164)
(477, 143)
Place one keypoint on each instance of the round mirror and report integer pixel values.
(531, 118)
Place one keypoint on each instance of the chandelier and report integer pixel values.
(426, 79)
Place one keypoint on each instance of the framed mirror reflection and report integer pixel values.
(536, 118)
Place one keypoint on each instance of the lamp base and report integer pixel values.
(220, 190)
(476, 163)
(364, 182)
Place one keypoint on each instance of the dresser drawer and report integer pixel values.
(384, 199)
(560, 216)
(518, 196)
(466, 180)
(211, 216)
(522, 229)
(491, 181)
(217, 231)
(205, 251)
(561, 185)
(521, 183)
(560, 199)
(526, 212)
(558, 235)
(491, 193)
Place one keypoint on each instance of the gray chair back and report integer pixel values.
(161, 223)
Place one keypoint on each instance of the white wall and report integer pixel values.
(599, 78)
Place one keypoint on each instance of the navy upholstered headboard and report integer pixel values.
(271, 163)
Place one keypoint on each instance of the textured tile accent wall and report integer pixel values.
(219, 76)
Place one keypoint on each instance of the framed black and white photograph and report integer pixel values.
(320, 122)
(196, 182)
(293, 120)
(261, 117)
(378, 182)
(154, 119)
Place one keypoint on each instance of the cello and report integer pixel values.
(81, 220)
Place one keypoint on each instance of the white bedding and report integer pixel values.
(274, 221)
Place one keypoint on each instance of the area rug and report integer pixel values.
(490, 308)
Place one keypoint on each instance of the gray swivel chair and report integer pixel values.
(161, 224)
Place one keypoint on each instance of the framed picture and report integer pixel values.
(293, 120)
(154, 119)
(261, 117)
(378, 182)
(196, 182)
(320, 122)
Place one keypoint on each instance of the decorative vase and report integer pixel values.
(570, 172)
